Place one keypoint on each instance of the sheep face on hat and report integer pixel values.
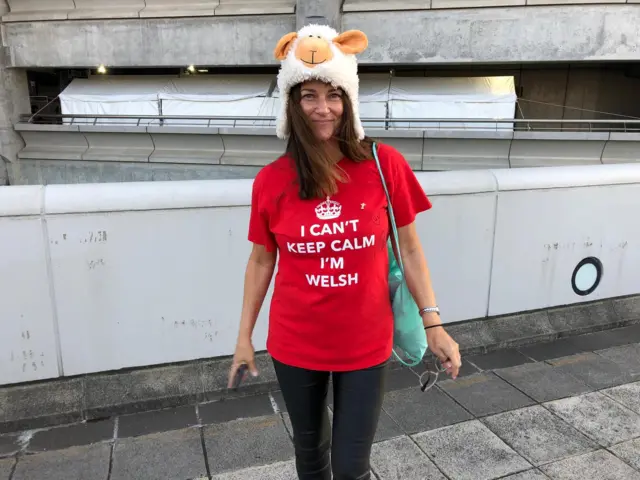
(318, 52)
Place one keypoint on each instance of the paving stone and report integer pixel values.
(470, 451)
(631, 333)
(247, 443)
(168, 455)
(629, 452)
(40, 405)
(600, 465)
(598, 417)
(539, 436)
(401, 459)
(8, 445)
(485, 394)
(84, 433)
(401, 378)
(556, 349)
(235, 408)
(417, 411)
(542, 382)
(528, 475)
(75, 463)
(628, 395)
(592, 369)
(145, 423)
(142, 390)
(275, 471)
(6, 466)
(601, 340)
(387, 428)
(626, 356)
(499, 359)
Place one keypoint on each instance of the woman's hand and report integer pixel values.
(244, 354)
(446, 349)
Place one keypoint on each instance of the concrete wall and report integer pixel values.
(39, 10)
(384, 5)
(590, 32)
(137, 274)
(14, 100)
(513, 34)
(176, 42)
(84, 154)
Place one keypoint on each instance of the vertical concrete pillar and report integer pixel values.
(14, 101)
(322, 12)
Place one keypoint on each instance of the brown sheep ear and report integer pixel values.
(284, 45)
(351, 42)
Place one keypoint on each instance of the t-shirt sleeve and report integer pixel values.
(259, 231)
(407, 195)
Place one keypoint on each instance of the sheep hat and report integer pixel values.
(318, 52)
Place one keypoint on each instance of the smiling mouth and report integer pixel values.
(313, 63)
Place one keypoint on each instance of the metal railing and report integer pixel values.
(446, 124)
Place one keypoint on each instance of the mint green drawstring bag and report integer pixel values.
(409, 336)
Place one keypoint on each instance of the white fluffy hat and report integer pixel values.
(318, 52)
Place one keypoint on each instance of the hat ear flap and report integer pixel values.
(284, 45)
(351, 42)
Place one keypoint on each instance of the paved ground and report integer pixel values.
(569, 409)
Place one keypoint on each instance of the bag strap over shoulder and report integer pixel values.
(394, 228)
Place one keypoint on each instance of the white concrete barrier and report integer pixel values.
(99, 277)
(28, 340)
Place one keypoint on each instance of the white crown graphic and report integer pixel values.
(328, 210)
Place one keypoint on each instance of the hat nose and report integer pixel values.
(313, 51)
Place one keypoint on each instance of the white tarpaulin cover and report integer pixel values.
(457, 97)
(114, 95)
(220, 96)
(374, 88)
(248, 96)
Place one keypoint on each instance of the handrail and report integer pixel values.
(521, 124)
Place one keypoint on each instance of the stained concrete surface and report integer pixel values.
(598, 417)
(167, 455)
(537, 435)
(599, 465)
(400, 458)
(76, 463)
(470, 451)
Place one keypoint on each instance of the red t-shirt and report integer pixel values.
(330, 308)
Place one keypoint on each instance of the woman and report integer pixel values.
(322, 208)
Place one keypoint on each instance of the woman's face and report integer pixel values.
(322, 103)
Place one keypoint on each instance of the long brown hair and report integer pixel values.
(317, 175)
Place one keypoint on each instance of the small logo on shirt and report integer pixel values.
(328, 210)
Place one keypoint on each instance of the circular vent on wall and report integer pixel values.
(586, 276)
